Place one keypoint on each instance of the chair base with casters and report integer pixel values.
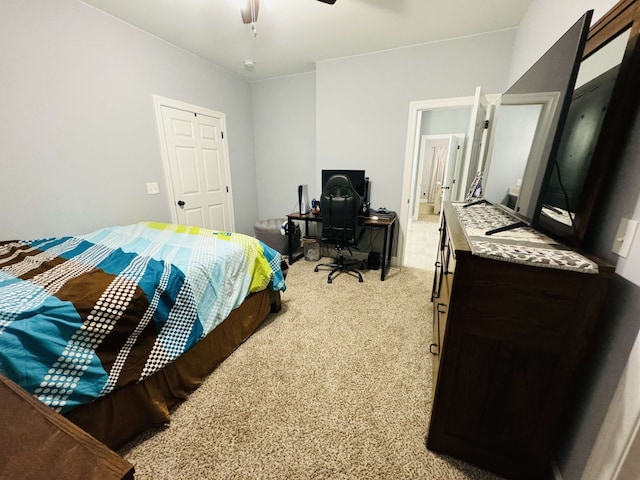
(341, 266)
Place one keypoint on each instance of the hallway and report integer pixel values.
(422, 239)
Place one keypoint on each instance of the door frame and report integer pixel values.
(412, 150)
(160, 102)
(425, 139)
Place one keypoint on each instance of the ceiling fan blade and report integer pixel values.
(249, 11)
(330, 2)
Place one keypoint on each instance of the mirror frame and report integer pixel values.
(618, 118)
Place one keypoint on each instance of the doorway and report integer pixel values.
(431, 125)
(435, 113)
(438, 158)
(432, 164)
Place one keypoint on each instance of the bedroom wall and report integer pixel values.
(543, 23)
(284, 125)
(618, 332)
(360, 109)
(77, 123)
(363, 102)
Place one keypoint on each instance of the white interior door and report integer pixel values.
(474, 144)
(451, 173)
(197, 164)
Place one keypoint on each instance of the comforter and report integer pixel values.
(83, 315)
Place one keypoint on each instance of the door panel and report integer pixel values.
(216, 215)
(182, 128)
(199, 168)
(453, 167)
(187, 172)
(473, 150)
(193, 216)
(213, 172)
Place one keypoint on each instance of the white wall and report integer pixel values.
(363, 102)
(284, 113)
(544, 22)
(77, 125)
(359, 105)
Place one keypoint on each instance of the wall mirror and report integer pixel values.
(527, 124)
(521, 130)
(601, 109)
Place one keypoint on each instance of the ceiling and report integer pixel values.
(292, 35)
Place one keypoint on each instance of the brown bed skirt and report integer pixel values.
(126, 412)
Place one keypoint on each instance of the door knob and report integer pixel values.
(180, 203)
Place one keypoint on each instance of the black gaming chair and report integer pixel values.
(340, 206)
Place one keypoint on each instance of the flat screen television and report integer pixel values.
(598, 120)
(584, 122)
(358, 179)
(528, 124)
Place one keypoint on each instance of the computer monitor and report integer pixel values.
(358, 179)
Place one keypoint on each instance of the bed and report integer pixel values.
(113, 328)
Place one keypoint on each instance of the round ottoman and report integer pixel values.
(268, 231)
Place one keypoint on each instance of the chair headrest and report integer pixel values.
(339, 182)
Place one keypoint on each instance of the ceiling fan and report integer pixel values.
(249, 11)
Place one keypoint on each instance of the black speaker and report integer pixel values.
(365, 198)
(373, 262)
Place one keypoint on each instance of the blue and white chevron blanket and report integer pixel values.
(83, 315)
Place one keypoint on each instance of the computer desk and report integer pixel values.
(385, 221)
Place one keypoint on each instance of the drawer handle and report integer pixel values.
(436, 322)
(436, 293)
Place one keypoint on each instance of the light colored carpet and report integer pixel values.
(335, 386)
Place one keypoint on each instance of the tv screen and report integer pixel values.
(569, 192)
(528, 123)
(585, 118)
(357, 177)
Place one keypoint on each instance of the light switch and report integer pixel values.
(152, 188)
(624, 237)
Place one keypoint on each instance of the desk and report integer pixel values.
(386, 222)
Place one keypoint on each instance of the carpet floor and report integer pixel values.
(335, 386)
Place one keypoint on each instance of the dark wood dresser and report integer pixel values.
(39, 443)
(508, 339)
